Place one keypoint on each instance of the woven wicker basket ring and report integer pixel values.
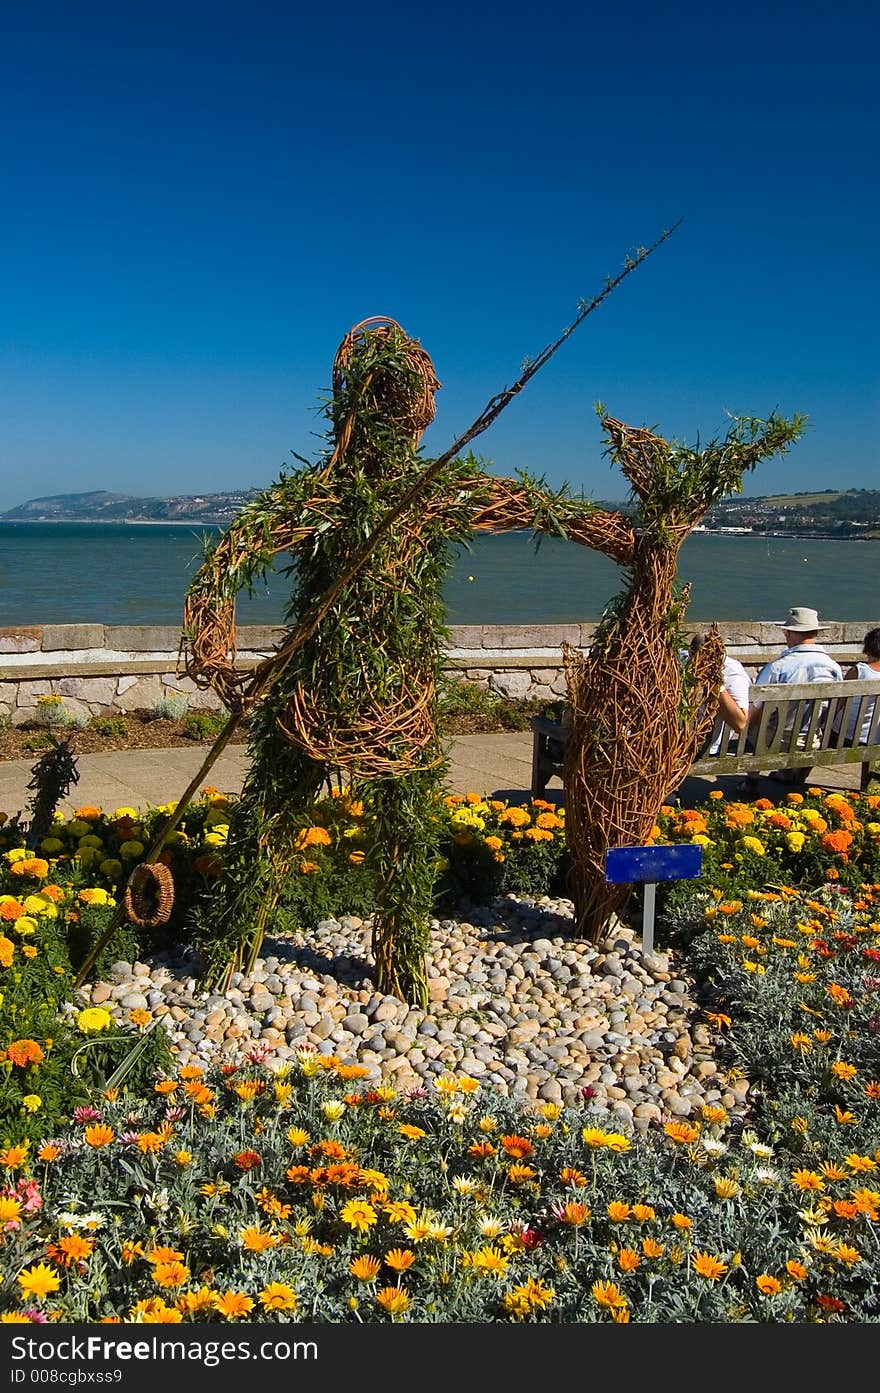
(149, 895)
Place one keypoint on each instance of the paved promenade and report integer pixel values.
(497, 765)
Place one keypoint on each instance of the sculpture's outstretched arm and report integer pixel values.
(512, 505)
(676, 484)
(281, 519)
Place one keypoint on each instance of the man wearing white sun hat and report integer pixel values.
(802, 660)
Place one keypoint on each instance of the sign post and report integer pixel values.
(627, 865)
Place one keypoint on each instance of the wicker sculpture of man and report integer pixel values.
(360, 695)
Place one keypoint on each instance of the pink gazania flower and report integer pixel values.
(86, 1114)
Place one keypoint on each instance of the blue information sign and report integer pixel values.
(626, 864)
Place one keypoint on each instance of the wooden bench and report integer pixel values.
(801, 726)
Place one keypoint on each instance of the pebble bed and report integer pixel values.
(515, 1002)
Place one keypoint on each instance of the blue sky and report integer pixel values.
(199, 200)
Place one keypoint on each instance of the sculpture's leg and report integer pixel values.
(403, 859)
(281, 784)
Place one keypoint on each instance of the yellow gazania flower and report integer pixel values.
(767, 1285)
(399, 1259)
(628, 1260)
(156, 1312)
(725, 1188)
(608, 1294)
(400, 1212)
(532, 1295)
(706, 1265)
(298, 1136)
(845, 1253)
(192, 1303)
(394, 1300)
(574, 1213)
(859, 1163)
(833, 1172)
(39, 1280)
(681, 1132)
(257, 1241)
(520, 1175)
(680, 1221)
(13, 1157)
(156, 1255)
(277, 1296)
(807, 1180)
(643, 1213)
(411, 1132)
(652, 1249)
(489, 1261)
(593, 1136)
(618, 1212)
(841, 1070)
(359, 1215)
(170, 1274)
(98, 1135)
(796, 1270)
(10, 1209)
(365, 1268)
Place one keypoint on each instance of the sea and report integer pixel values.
(138, 573)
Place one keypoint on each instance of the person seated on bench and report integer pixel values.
(869, 668)
(802, 660)
(733, 699)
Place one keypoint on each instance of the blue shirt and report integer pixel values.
(806, 662)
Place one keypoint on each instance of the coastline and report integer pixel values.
(725, 533)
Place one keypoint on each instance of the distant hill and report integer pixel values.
(832, 513)
(100, 506)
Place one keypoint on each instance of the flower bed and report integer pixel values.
(295, 1193)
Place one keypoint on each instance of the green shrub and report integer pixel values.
(36, 742)
(115, 727)
(202, 725)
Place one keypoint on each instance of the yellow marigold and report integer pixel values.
(93, 1019)
(31, 868)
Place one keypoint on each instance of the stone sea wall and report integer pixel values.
(101, 668)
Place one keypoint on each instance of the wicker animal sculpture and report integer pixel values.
(360, 695)
(637, 715)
